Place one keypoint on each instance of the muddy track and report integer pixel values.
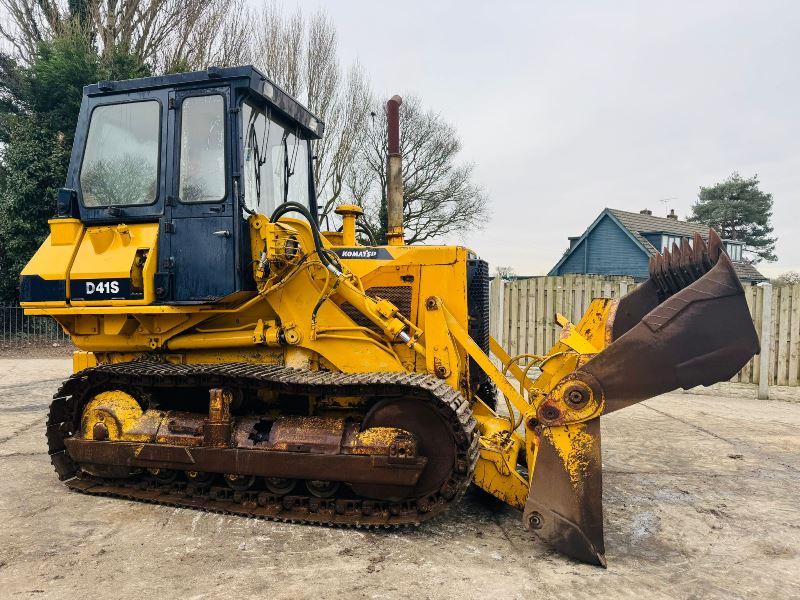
(343, 510)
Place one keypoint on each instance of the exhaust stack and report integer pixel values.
(394, 175)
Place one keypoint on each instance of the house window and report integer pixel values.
(734, 250)
(668, 240)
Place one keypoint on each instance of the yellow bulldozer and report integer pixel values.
(233, 356)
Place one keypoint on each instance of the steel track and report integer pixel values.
(343, 510)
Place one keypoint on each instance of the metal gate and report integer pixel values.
(18, 330)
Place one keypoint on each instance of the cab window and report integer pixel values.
(275, 163)
(202, 150)
(120, 162)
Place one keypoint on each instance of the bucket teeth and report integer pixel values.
(705, 258)
(715, 247)
(670, 285)
(686, 261)
(655, 275)
(679, 267)
(676, 265)
(700, 262)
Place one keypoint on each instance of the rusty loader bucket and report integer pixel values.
(687, 325)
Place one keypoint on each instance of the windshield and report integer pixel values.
(275, 163)
(120, 163)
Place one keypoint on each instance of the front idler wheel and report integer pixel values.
(434, 441)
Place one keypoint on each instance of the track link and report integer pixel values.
(345, 510)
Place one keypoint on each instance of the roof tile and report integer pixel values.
(747, 272)
(649, 224)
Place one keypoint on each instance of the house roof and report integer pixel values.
(639, 224)
(636, 225)
(747, 271)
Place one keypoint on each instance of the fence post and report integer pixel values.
(496, 309)
(766, 343)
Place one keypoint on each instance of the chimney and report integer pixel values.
(646, 211)
(672, 214)
(394, 175)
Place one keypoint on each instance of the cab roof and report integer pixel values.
(246, 77)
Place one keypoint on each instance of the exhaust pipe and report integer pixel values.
(394, 176)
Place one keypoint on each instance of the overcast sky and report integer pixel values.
(570, 107)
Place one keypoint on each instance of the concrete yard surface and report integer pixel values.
(701, 501)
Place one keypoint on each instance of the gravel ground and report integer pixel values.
(38, 349)
(701, 501)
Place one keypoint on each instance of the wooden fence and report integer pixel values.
(776, 313)
(523, 319)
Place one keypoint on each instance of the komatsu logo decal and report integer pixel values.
(363, 253)
(100, 289)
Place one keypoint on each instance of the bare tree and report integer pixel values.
(221, 35)
(504, 272)
(439, 196)
(278, 46)
(346, 123)
(301, 55)
(164, 33)
(27, 23)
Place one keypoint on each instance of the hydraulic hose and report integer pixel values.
(324, 254)
(362, 227)
(328, 258)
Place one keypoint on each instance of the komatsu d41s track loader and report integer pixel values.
(235, 357)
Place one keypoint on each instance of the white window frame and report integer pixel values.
(667, 240)
(734, 250)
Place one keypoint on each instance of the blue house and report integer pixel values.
(619, 242)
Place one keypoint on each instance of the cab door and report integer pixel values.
(199, 224)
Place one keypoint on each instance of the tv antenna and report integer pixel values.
(666, 201)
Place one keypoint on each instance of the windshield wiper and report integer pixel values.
(258, 158)
(287, 173)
